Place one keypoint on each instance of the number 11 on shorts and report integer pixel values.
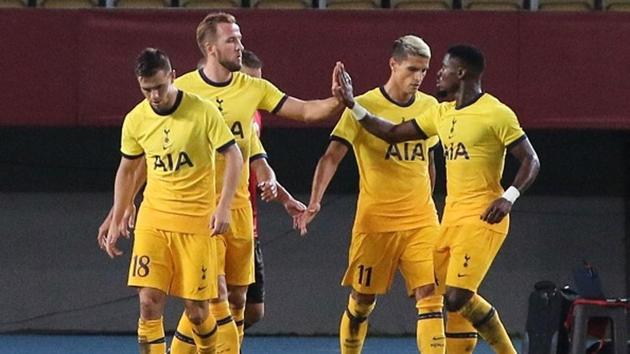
(365, 273)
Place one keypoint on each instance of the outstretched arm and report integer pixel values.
(272, 190)
(231, 177)
(388, 131)
(324, 172)
(527, 172)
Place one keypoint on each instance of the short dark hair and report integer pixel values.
(251, 60)
(150, 61)
(472, 57)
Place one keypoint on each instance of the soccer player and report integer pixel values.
(172, 252)
(396, 224)
(238, 96)
(476, 130)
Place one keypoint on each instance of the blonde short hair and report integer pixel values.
(207, 28)
(410, 45)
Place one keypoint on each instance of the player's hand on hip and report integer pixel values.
(345, 89)
(220, 221)
(268, 190)
(497, 211)
(306, 217)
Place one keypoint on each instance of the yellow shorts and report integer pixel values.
(235, 249)
(464, 254)
(374, 258)
(179, 264)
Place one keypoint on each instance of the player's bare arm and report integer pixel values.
(527, 172)
(129, 218)
(324, 172)
(292, 206)
(432, 168)
(265, 179)
(123, 195)
(231, 177)
(390, 132)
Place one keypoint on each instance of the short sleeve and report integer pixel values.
(346, 129)
(507, 128)
(272, 98)
(129, 146)
(218, 132)
(427, 121)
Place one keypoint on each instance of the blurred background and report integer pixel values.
(68, 82)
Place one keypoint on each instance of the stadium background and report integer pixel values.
(67, 78)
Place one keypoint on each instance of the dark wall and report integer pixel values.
(574, 162)
(558, 70)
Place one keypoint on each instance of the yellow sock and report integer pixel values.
(239, 320)
(430, 326)
(206, 335)
(183, 341)
(151, 336)
(354, 326)
(227, 334)
(486, 320)
(461, 336)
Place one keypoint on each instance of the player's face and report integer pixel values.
(409, 72)
(228, 46)
(448, 77)
(156, 89)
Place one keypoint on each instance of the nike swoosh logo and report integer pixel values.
(461, 275)
(201, 288)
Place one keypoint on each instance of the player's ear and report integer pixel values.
(173, 76)
(461, 72)
(392, 63)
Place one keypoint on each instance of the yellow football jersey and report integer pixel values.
(394, 182)
(179, 147)
(238, 100)
(475, 139)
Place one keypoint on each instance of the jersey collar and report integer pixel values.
(212, 83)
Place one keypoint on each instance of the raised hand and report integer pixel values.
(345, 86)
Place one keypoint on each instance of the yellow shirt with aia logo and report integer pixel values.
(475, 139)
(394, 183)
(237, 100)
(179, 147)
